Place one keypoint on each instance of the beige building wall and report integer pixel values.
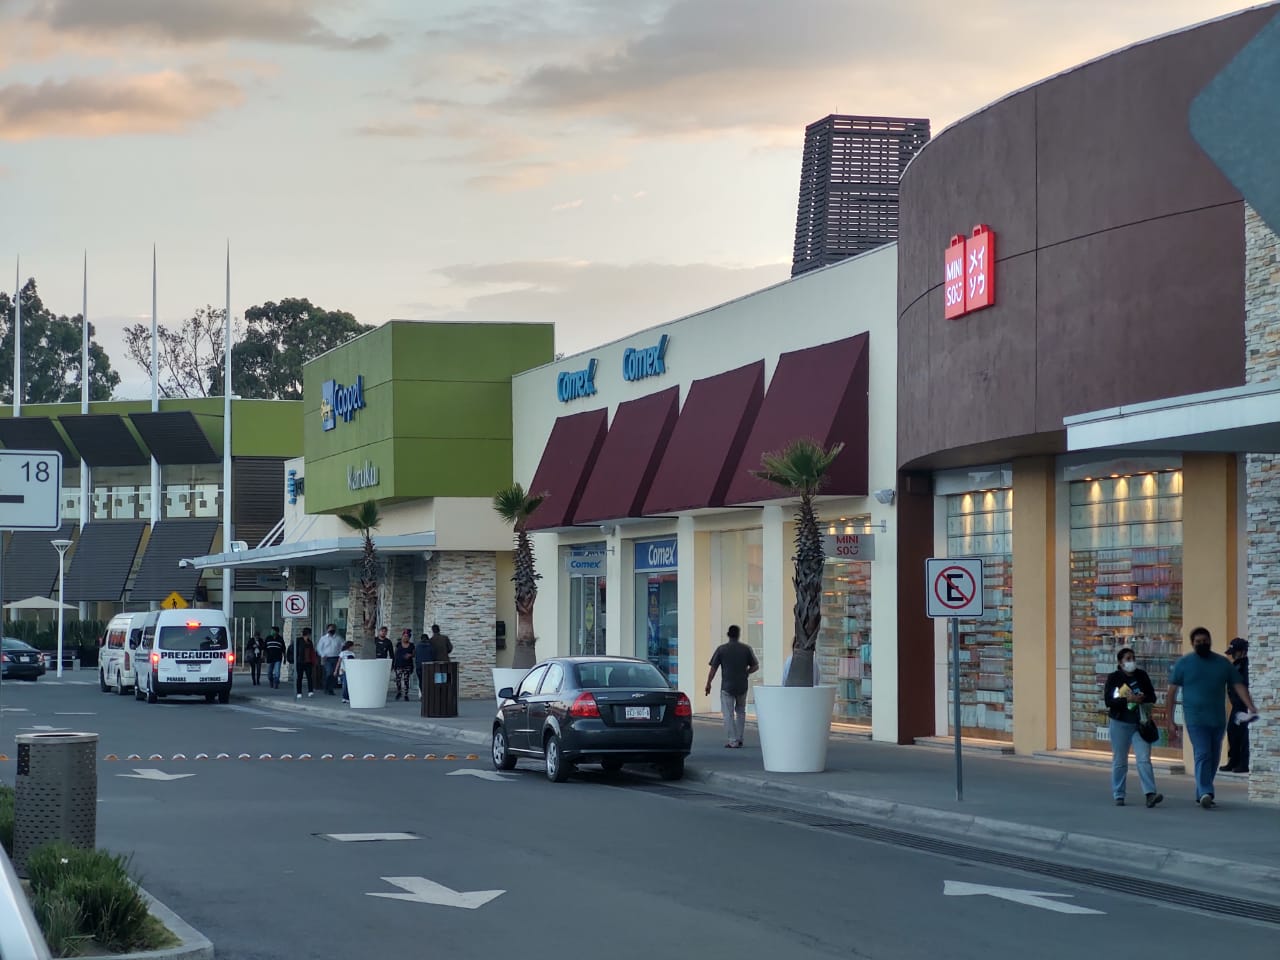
(1034, 605)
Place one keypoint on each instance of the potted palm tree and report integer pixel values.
(367, 678)
(516, 506)
(795, 719)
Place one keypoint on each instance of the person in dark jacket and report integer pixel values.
(273, 652)
(441, 645)
(422, 654)
(382, 645)
(302, 655)
(1126, 689)
(402, 665)
(253, 652)
(1238, 733)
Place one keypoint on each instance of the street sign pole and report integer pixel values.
(955, 697)
(954, 586)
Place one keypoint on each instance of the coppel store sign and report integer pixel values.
(656, 555)
(337, 401)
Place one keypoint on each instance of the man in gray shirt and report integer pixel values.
(737, 661)
(328, 647)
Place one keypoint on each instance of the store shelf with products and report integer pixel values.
(844, 641)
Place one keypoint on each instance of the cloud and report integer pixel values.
(189, 22)
(392, 128)
(567, 205)
(592, 303)
(164, 102)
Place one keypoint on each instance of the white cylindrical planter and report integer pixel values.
(795, 726)
(367, 683)
(506, 677)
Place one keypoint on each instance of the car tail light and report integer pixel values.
(155, 659)
(584, 706)
(231, 659)
(126, 661)
(7, 658)
(683, 707)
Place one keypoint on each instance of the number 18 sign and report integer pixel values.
(30, 490)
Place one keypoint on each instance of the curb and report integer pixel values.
(194, 945)
(410, 726)
(1166, 861)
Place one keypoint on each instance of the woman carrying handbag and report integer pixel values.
(1127, 693)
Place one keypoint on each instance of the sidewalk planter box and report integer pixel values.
(795, 726)
(367, 683)
(506, 677)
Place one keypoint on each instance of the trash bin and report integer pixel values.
(440, 689)
(55, 792)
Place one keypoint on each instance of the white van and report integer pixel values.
(185, 652)
(115, 658)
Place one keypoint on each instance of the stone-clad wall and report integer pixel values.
(462, 599)
(1262, 365)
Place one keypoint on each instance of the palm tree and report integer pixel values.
(800, 469)
(515, 506)
(366, 521)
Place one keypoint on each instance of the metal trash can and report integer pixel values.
(440, 689)
(55, 792)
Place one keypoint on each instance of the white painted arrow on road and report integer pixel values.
(1029, 898)
(482, 774)
(278, 729)
(422, 890)
(154, 775)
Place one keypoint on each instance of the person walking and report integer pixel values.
(328, 648)
(1204, 677)
(441, 645)
(302, 654)
(1237, 732)
(382, 645)
(422, 655)
(273, 652)
(737, 661)
(253, 656)
(1125, 691)
(402, 665)
(344, 655)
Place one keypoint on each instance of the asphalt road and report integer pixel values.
(240, 849)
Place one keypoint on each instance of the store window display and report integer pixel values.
(1126, 591)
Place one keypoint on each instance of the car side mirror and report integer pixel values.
(506, 693)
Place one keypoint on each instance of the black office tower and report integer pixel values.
(849, 185)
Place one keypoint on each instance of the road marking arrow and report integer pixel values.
(1029, 898)
(154, 775)
(422, 890)
(361, 837)
(13, 710)
(278, 729)
(58, 713)
(482, 774)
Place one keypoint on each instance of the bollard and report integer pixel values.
(55, 792)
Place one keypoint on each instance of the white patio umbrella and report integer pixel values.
(38, 603)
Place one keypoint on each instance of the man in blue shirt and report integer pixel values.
(1205, 677)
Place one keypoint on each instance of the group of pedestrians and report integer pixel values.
(1208, 681)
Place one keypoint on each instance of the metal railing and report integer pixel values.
(20, 936)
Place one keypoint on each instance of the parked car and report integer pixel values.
(21, 661)
(606, 710)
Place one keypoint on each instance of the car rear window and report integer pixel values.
(642, 676)
(193, 636)
(12, 643)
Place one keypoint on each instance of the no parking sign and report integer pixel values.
(296, 604)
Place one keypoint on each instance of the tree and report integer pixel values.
(800, 469)
(51, 354)
(279, 338)
(190, 357)
(516, 507)
(366, 521)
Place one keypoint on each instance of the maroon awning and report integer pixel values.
(567, 459)
(819, 392)
(622, 475)
(707, 443)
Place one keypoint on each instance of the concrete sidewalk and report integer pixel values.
(1028, 804)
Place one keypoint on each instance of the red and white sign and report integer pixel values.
(955, 587)
(969, 273)
(296, 604)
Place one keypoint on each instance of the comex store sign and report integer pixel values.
(337, 401)
(656, 555)
(575, 384)
(646, 362)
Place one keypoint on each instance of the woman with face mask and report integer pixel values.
(1125, 689)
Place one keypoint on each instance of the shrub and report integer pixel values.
(6, 819)
(60, 920)
(109, 907)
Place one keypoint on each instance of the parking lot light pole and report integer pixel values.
(61, 546)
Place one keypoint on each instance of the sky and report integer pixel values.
(605, 165)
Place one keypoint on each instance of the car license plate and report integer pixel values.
(194, 667)
(637, 713)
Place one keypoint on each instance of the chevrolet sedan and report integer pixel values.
(606, 710)
(20, 661)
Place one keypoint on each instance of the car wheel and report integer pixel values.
(671, 770)
(151, 696)
(502, 758)
(102, 682)
(611, 766)
(119, 684)
(137, 692)
(557, 770)
(224, 696)
(208, 698)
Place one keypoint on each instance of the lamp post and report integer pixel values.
(61, 546)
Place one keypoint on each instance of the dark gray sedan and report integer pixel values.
(20, 661)
(606, 710)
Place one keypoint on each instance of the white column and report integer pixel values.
(17, 338)
(228, 575)
(86, 486)
(884, 626)
(619, 637)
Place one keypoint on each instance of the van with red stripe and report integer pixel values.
(184, 653)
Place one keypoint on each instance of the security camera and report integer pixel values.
(885, 496)
(607, 529)
(184, 564)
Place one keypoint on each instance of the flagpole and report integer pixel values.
(17, 338)
(228, 575)
(86, 484)
(155, 388)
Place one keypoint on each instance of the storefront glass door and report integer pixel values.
(586, 615)
(657, 622)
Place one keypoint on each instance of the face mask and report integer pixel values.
(1129, 666)
(1203, 649)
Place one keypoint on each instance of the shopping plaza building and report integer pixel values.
(1067, 366)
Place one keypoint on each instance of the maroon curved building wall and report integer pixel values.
(1120, 255)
